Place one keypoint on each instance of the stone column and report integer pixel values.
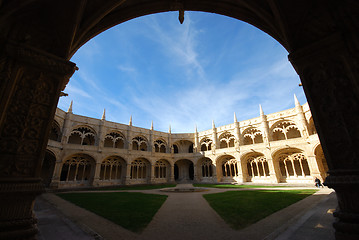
(152, 173)
(56, 176)
(329, 74)
(128, 174)
(172, 177)
(30, 84)
(96, 177)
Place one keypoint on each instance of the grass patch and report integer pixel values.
(234, 186)
(133, 211)
(139, 187)
(242, 208)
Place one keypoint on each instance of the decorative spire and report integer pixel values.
(235, 117)
(196, 128)
(261, 110)
(70, 108)
(296, 101)
(130, 123)
(169, 129)
(152, 125)
(103, 114)
(213, 126)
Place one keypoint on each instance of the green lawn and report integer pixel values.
(233, 186)
(243, 208)
(132, 211)
(139, 187)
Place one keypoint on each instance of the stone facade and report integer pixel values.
(282, 147)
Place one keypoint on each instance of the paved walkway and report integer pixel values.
(188, 216)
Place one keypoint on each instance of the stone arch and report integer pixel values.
(83, 135)
(140, 171)
(162, 170)
(257, 168)
(140, 143)
(183, 146)
(206, 144)
(115, 139)
(252, 135)
(160, 145)
(228, 169)
(311, 127)
(184, 170)
(321, 161)
(47, 167)
(55, 132)
(77, 170)
(226, 140)
(319, 42)
(283, 130)
(292, 166)
(113, 170)
(205, 169)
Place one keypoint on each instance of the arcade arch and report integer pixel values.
(82, 135)
(284, 130)
(113, 169)
(78, 169)
(184, 170)
(114, 140)
(319, 49)
(47, 168)
(228, 169)
(140, 170)
(226, 140)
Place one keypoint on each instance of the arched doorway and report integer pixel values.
(322, 46)
(47, 168)
(184, 170)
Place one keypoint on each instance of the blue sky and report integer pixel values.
(156, 69)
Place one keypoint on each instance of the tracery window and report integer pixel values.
(114, 140)
(285, 130)
(76, 168)
(138, 169)
(139, 143)
(230, 168)
(111, 168)
(55, 132)
(252, 136)
(294, 164)
(226, 140)
(160, 169)
(207, 168)
(257, 166)
(206, 144)
(82, 136)
(160, 146)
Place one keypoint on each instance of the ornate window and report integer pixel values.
(160, 146)
(285, 130)
(230, 168)
(55, 132)
(138, 169)
(114, 140)
(252, 136)
(207, 168)
(160, 169)
(83, 136)
(257, 166)
(206, 144)
(139, 143)
(76, 168)
(111, 168)
(294, 164)
(226, 140)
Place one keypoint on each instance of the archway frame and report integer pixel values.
(320, 36)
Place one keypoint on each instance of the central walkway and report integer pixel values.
(189, 216)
